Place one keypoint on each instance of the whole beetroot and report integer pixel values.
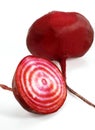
(58, 35)
(61, 35)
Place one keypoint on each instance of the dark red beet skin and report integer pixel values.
(60, 34)
(39, 86)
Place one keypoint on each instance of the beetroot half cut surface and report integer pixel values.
(38, 85)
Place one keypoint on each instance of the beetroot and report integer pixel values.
(61, 35)
(38, 85)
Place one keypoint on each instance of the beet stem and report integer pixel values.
(63, 67)
(81, 97)
(5, 87)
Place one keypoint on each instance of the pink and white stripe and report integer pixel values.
(40, 85)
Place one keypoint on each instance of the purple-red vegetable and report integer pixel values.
(58, 35)
(61, 35)
(39, 86)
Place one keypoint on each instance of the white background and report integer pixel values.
(16, 16)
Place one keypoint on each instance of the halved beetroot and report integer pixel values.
(39, 86)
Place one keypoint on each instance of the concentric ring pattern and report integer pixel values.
(40, 84)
